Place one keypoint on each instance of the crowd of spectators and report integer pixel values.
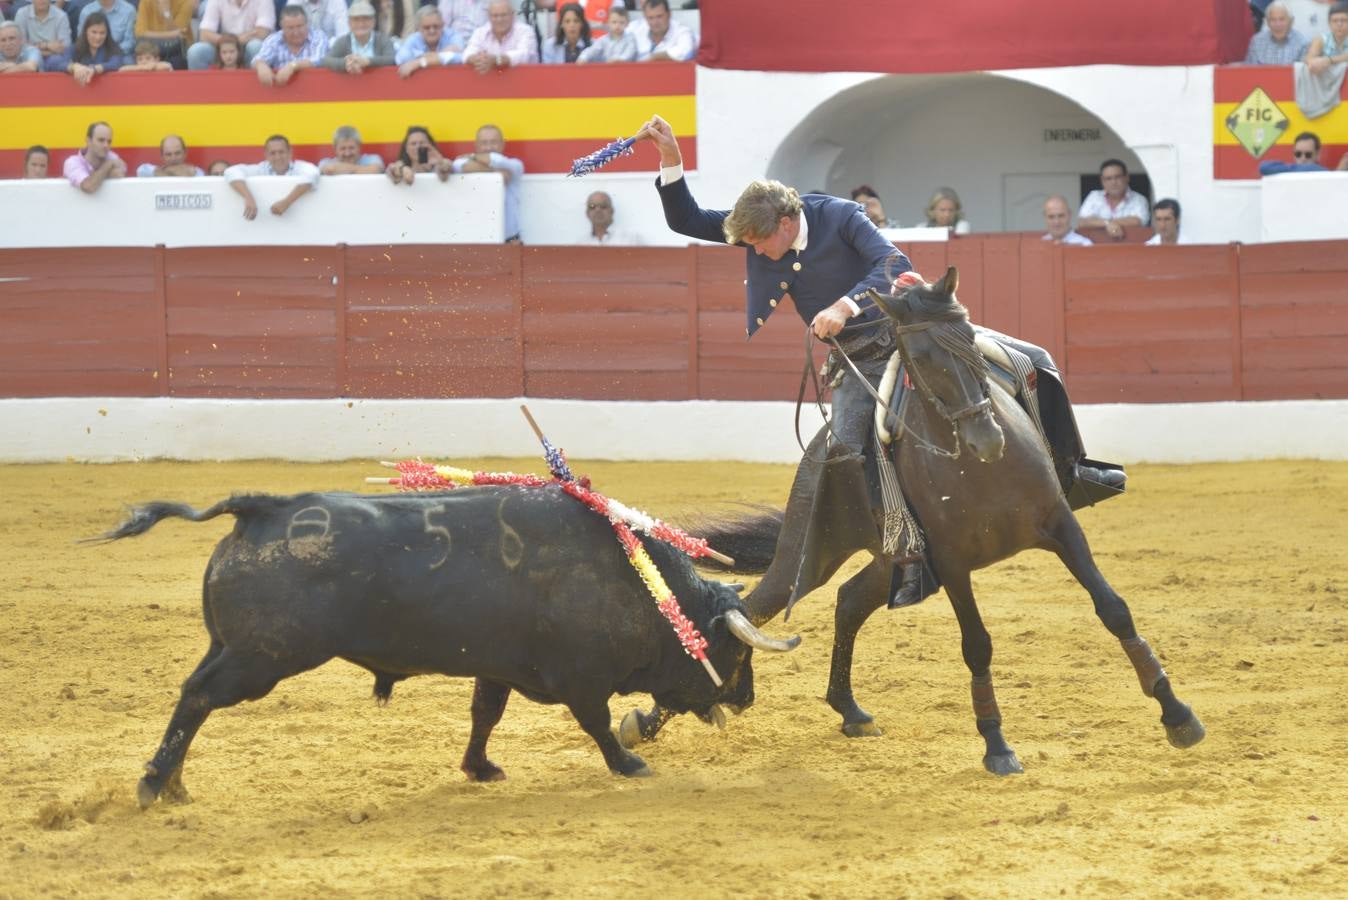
(87, 38)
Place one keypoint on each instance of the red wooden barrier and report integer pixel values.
(1125, 322)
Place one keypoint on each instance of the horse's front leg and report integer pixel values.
(861, 595)
(976, 644)
(1183, 729)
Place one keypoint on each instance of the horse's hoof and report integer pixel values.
(1003, 764)
(643, 772)
(145, 794)
(1186, 734)
(629, 730)
(861, 729)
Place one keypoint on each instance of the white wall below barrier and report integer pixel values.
(206, 212)
(1305, 206)
(92, 429)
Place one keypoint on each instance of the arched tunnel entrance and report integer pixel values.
(1003, 145)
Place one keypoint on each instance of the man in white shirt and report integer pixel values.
(1116, 205)
(599, 210)
(661, 40)
(489, 156)
(1165, 221)
(278, 162)
(1058, 219)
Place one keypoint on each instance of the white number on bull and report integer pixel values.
(310, 522)
(441, 530)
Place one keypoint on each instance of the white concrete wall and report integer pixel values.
(355, 209)
(91, 429)
(1305, 206)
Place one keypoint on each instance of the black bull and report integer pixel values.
(521, 588)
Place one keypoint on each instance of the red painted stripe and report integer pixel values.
(539, 156)
(1232, 84)
(1232, 162)
(321, 85)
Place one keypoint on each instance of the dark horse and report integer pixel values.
(981, 482)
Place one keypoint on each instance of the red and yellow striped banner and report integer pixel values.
(549, 114)
(1236, 92)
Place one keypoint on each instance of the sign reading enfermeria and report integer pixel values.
(182, 201)
(1056, 135)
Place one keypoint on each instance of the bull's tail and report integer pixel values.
(751, 539)
(146, 516)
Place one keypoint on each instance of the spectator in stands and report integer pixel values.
(501, 43)
(228, 53)
(93, 54)
(616, 46)
(217, 168)
(661, 40)
(36, 161)
(944, 211)
(418, 153)
(147, 57)
(1058, 219)
(1114, 206)
(432, 45)
(279, 161)
(1331, 47)
(249, 21)
(172, 160)
(362, 47)
(599, 210)
(397, 19)
(121, 20)
(1165, 221)
(169, 24)
(870, 202)
(1305, 157)
(88, 168)
(327, 16)
(1279, 44)
(489, 156)
(45, 28)
(296, 46)
(572, 37)
(15, 55)
(347, 158)
(463, 17)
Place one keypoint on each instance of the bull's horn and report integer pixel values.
(743, 629)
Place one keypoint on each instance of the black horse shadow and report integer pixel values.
(979, 479)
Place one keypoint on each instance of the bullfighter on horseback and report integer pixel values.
(825, 255)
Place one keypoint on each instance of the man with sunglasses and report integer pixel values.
(599, 210)
(1305, 157)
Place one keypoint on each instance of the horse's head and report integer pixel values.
(937, 345)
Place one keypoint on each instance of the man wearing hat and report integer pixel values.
(362, 47)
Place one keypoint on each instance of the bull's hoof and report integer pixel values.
(629, 730)
(644, 771)
(145, 793)
(864, 728)
(1003, 764)
(630, 766)
(1186, 734)
(483, 772)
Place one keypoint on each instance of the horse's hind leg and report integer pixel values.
(1182, 727)
(489, 703)
(861, 595)
(976, 645)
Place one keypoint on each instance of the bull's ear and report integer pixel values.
(951, 282)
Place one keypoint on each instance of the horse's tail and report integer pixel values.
(143, 518)
(751, 538)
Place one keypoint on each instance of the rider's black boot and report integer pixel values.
(910, 587)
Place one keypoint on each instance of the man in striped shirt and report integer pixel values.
(296, 46)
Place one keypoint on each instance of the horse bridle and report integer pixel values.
(954, 418)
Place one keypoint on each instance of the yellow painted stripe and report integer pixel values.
(379, 121)
(1332, 127)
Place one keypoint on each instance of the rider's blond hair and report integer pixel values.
(759, 210)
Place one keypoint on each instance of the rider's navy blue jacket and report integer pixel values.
(844, 255)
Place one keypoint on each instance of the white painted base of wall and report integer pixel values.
(117, 429)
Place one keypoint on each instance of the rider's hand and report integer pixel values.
(659, 131)
(908, 279)
(830, 321)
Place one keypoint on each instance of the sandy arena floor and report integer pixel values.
(1235, 573)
